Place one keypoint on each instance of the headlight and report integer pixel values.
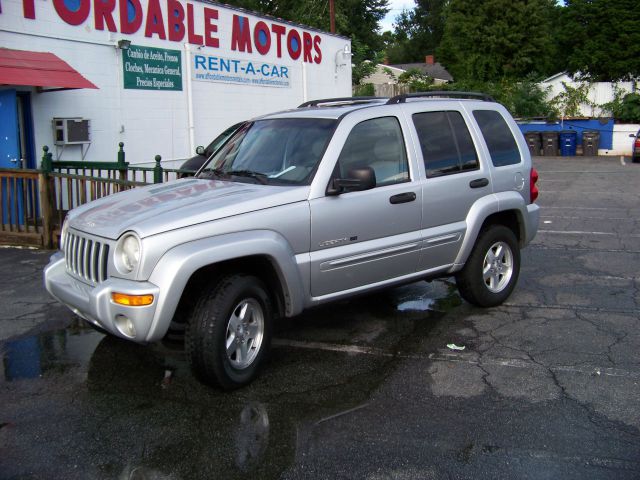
(127, 253)
(63, 232)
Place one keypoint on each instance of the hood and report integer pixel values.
(159, 208)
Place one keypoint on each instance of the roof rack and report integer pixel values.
(440, 94)
(341, 101)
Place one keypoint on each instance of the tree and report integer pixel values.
(362, 66)
(625, 106)
(602, 39)
(397, 44)
(524, 98)
(416, 80)
(497, 39)
(416, 32)
(360, 20)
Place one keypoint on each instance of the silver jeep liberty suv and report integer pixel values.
(299, 208)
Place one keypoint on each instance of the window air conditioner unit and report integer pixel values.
(71, 131)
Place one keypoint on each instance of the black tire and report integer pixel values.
(209, 329)
(473, 286)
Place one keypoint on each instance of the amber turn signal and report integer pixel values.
(131, 300)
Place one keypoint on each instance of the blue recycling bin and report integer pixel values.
(568, 143)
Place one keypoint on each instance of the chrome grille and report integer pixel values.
(86, 258)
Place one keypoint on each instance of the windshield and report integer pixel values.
(220, 139)
(282, 151)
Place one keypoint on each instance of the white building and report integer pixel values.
(598, 93)
(169, 75)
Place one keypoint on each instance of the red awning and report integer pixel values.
(39, 69)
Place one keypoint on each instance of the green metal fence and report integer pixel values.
(35, 202)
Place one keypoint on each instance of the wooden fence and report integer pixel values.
(34, 203)
(21, 212)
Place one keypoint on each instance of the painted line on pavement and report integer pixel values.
(465, 357)
(581, 232)
(540, 246)
(605, 209)
(626, 194)
(620, 219)
(577, 232)
(542, 172)
(571, 307)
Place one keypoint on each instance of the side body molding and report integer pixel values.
(173, 270)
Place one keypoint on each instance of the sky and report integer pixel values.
(396, 7)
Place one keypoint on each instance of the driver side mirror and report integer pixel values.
(359, 179)
(200, 150)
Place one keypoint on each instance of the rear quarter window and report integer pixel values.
(497, 134)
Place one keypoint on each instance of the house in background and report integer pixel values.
(614, 138)
(598, 93)
(386, 84)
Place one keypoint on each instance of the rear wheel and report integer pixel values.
(492, 270)
(229, 332)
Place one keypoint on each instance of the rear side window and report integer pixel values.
(502, 146)
(445, 142)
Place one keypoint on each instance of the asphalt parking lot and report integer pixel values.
(547, 387)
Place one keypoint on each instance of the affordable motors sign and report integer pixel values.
(177, 21)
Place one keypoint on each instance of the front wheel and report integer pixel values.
(229, 331)
(492, 269)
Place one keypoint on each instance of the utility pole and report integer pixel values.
(332, 15)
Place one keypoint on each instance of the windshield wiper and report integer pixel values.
(216, 172)
(261, 177)
(220, 173)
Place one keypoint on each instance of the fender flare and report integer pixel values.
(177, 265)
(483, 209)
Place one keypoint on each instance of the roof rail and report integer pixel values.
(342, 101)
(441, 94)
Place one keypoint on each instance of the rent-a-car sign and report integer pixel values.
(209, 68)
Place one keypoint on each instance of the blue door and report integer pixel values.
(11, 198)
(9, 136)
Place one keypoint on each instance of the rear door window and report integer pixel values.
(497, 134)
(446, 143)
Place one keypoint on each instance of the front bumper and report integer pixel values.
(94, 304)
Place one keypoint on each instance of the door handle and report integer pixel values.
(479, 183)
(402, 198)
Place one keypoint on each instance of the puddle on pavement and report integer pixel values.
(420, 305)
(49, 353)
(75, 400)
(441, 296)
